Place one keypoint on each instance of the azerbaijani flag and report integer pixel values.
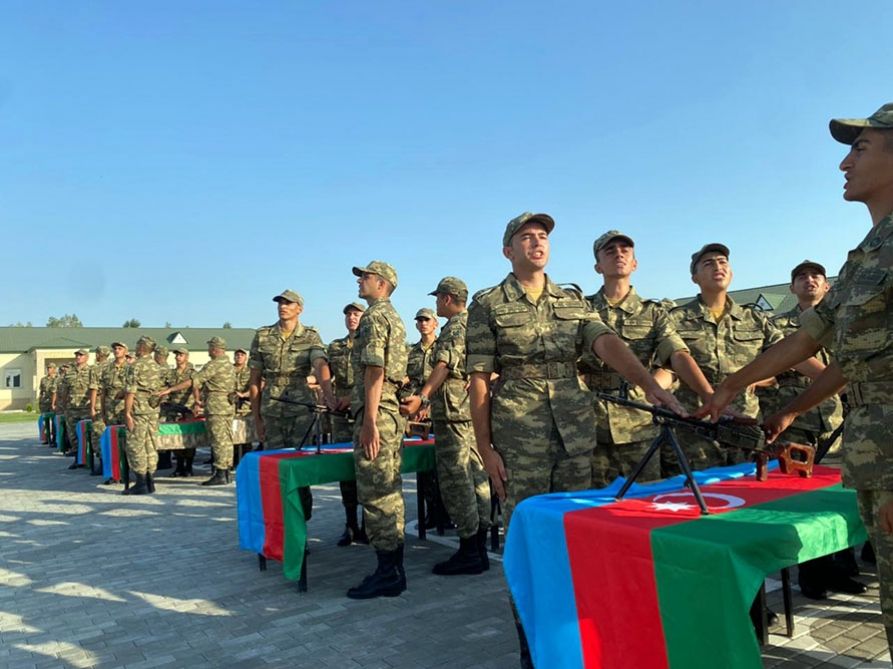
(648, 582)
(83, 437)
(60, 432)
(110, 444)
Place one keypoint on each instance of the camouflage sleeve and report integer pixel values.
(819, 321)
(130, 380)
(592, 328)
(480, 340)
(668, 340)
(375, 352)
(255, 360)
(202, 375)
(450, 347)
(318, 352)
(772, 333)
(95, 378)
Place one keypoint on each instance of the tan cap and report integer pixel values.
(51, 365)
(425, 313)
(610, 236)
(807, 264)
(355, 306)
(451, 285)
(146, 341)
(217, 342)
(118, 343)
(289, 295)
(82, 351)
(102, 350)
(179, 349)
(161, 350)
(379, 268)
(241, 350)
(520, 221)
(845, 130)
(707, 248)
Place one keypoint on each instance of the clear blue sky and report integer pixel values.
(185, 161)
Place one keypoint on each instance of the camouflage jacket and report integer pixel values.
(646, 328)
(285, 363)
(242, 377)
(77, 388)
(112, 386)
(534, 347)
(185, 397)
(855, 320)
(95, 382)
(419, 363)
(48, 385)
(450, 402)
(380, 342)
(340, 352)
(217, 381)
(724, 347)
(143, 381)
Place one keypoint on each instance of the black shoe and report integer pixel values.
(845, 562)
(150, 482)
(840, 582)
(181, 467)
(353, 534)
(138, 488)
(75, 466)
(867, 554)
(771, 617)
(466, 560)
(188, 467)
(387, 580)
(812, 576)
(482, 536)
(219, 478)
(813, 591)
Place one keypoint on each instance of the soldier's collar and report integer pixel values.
(734, 309)
(630, 303)
(876, 236)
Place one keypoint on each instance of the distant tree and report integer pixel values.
(132, 323)
(66, 321)
(19, 324)
(228, 325)
(167, 324)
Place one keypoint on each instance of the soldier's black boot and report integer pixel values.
(466, 560)
(845, 561)
(352, 530)
(138, 488)
(219, 478)
(188, 466)
(164, 460)
(867, 553)
(181, 465)
(386, 581)
(812, 577)
(482, 536)
(150, 482)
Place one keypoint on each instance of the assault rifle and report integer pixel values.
(742, 433)
(183, 412)
(315, 426)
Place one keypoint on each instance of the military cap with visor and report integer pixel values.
(608, 237)
(704, 250)
(426, 313)
(217, 342)
(179, 349)
(846, 130)
(379, 268)
(353, 306)
(808, 264)
(146, 341)
(102, 350)
(520, 221)
(161, 350)
(82, 351)
(242, 350)
(451, 285)
(289, 295)
(118, 343)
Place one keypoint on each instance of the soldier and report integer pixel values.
(95, 399)
(340, 354)
(161, 353)
(624, 434)
(216, 381)
(534, 429)
(282, 356)
(722, 337)
(379, 366)
(854, 321)
(108, 393)
(77, 398)
(141, 417)
(463, 482)
(242, 375)
(46, 399)
(179, 405)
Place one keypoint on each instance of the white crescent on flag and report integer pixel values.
(685, 500)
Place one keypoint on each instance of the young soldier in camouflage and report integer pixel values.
(108, 393)
(77, 397)
(242, 398)
(379, 365)
(141, 417)
(172, 408)
(94, 398)
(464, 485)
(854, 321)
(624, 434)
(46, 399)
(340, 362)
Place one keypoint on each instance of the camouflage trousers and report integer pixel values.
(379, 484)
(220, 435)
(610, 460)
(287, 432)
(142, 455)
(341, 429)
(72, 418)
(537, 463)
(870, 501)
(468, 506)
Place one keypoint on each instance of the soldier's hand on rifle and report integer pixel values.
(343, 405)
(369, 439)
(496, 469)
(716, 405)
(410, 405)
(665, 398)
(776, 424)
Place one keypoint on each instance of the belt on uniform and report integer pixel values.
(869, 392)
(790, 378)
(545, 370)
(607, 381)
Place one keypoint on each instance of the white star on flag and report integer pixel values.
(672, 506)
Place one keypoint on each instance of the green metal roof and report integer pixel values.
(21, 339)
(774, 299)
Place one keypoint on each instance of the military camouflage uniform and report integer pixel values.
(340, 352)
(144, 380)
(419, 363)
(182, 397)
(77, 404)
(98, 421)
(242, 377)
(855, 320)
(541, 414)
(48, 385)
(112, 386)
(464, 484)
(217, 380)
(380, 342)
(625, 434)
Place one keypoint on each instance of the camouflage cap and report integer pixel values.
(707, 248)
(807, 264)
(82, 351)
(609, 236)
(355, 306)
(289, 295)
(425, 313)
(179, 349)
(451, 285)
(118, 343)
(217, 342)
(51, 365)
(519, 221)
(161, 350)
(845, 130)
(102, 350)
(380, 268)
(146, 341)
(241, 350)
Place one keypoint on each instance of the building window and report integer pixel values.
(13, 378)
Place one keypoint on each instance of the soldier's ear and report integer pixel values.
(507, 252)
(598, 269)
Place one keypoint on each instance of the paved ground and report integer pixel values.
(91, 578)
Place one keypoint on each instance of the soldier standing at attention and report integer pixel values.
(161, 353)
(534, 428)
(96, 413)
(854, 321)
(420, 358)
(77, 396)
(215, 381)
(624, 434)
(464, 484)
(379, 366)
(46, 398)
(107, 395)
(282, 356)
(141, 417)
(170, 412)
(242, 398)
(340, 354)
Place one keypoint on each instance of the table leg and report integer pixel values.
(302, 581)
(261, 562)
(786, 595)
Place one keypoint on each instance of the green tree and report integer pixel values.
(19, 324)
(66, 321)
(228, 325)
(132, 323)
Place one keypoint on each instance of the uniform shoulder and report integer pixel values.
(571, 290)
(264, 329)
(484, 295)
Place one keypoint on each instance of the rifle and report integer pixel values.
(743, 433)
(314, 407)
(175, 407)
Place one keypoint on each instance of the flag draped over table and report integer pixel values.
(110, 444)
(83, 437)
(649, 582)
(60, 432)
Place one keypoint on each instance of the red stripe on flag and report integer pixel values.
(609, 549)
(115, 460)
(271, 498)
